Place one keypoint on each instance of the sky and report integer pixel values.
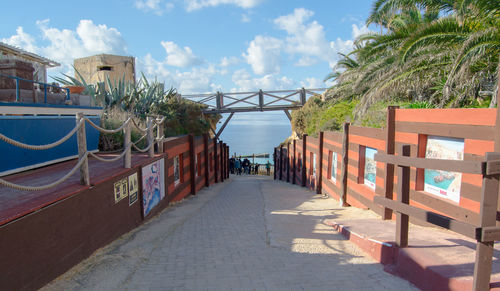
(196, 46)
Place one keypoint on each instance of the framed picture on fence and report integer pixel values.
(153, 185)
(370, 173)
(444, 184)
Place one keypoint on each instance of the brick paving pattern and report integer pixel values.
(248, 233)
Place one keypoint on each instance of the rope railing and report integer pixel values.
(83, 153)
(138, 127)
(111, 159)
(142, 150)
(104, 130)
(83, 159)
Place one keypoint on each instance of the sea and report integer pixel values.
(255, 133)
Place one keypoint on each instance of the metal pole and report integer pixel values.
(149, 122)
(82, 150)
(127, 159)
(45, 92)
(18, 91)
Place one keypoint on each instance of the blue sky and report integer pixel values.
(195, 45)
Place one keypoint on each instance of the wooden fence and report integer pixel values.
(71, 228)
(343, 165)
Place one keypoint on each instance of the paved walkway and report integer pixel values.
(249, 233)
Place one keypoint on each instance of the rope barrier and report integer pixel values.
(40, 147)
(142, 150)
(112, 159)
(107, 130)
(53, 184)
(142, 137)
(138, 127)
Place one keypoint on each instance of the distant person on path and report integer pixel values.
(257, 169)
(246, 166)
(268, 168)
(237, 165)
(231, 165)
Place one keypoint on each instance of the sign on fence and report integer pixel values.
(153, 185)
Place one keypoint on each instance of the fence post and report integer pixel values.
(390, 142)
(192, 166)
(403, 197)
(487, 217)
(343, 167)
(221, 145)
(288, 162)
(216, 162)
(275, 162)
(207, 162)
(159, 134)
(127, 159)
(319, 187)
(304, 168)
(149, 122)
(281, 162)
(82, 150)
(294, 164)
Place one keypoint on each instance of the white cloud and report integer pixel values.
(264, 55)
(197, 80)
(22, 40)
(312, 83)
(245, 82)
(307, 38)
(229, 61)
(306, 61)
(357, 31)
(199, 4)
(65, 45)
(245, 18)
(158, 7)
(179, 57)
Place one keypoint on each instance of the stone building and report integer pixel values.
(94, 69)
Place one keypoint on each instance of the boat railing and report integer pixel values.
(45, 87)
(83, 154)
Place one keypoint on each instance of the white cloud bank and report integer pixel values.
(264, 55)
(65, 45)
(179, 57)
(158, 7)
(199, 4)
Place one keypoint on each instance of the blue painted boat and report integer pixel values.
(39, 124)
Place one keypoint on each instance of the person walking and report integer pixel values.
(268, 168)
(237, 165)
(256, 169)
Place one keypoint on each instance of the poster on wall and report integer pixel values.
(370, 167)
(120, 189)
(314, 164)
(442, 183)
(334, 167)
(133, 188)
(177, 173)
(153, 185)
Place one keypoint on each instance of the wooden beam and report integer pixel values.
(343, 166)
(390, 142)
(207, 162)
(487, 217)
(288, 114)
(224, 125)
(463, 228)
(304, 168)
(470, 167)
(192, 168)
(402, 220)
(319, 171)
(489, 233)
(251, 109)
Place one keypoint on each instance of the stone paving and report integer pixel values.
(249, 233)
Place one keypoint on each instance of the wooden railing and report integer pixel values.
(485, 233)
